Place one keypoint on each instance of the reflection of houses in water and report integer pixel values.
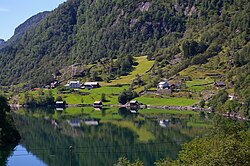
(60, 104)
(97, 104)
(54, 123)
(164, 122)
(134, 111)
(75, 122)
(133, 104)
(92, 122)
(59, 109)
(97, 109)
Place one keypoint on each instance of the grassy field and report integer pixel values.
(199, 125)
(108, 90)
(166, 101)
(111, 94)
(143, 66)
(198, 85)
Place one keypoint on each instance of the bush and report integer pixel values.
(126, 96)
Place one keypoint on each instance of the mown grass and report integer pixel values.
(111, 95)
(198, 85)
(166, 101)
(143, 66)
(199, 125)
(108, 90)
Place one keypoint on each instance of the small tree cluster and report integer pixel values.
(126, 96)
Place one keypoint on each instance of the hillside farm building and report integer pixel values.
(74, 84)
(91, 85)
(220, 84)
(163, 85)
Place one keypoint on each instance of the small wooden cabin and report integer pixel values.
(220, 84)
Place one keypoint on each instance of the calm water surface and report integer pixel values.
(22, 157)
(48, 134)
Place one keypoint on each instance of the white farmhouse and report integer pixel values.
(74, 84)
(163, 85)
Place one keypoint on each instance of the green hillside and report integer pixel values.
(83, 31)
(187, 40)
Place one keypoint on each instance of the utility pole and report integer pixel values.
(70, 151)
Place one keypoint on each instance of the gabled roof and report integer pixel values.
(220, 83)
(98, 102)
(163, 82)
(133, 102)
(91, 83)
(74, 82)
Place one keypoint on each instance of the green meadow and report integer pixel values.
(111, 94)
(143, 66)
(171, 101)
(198, 85)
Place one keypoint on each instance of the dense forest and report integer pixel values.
(83, 31)
(9, 135)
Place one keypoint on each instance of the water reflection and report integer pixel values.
(100, 137)
(5, 152)
(22, 157)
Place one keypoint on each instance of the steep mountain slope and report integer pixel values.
(83, 31)
(24, 27)
(1, 41)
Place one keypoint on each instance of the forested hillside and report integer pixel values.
(23, 28)
(83, 31)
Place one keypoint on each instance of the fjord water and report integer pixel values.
(135, 136)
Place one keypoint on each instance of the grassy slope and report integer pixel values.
(143, 66)
(199, 85)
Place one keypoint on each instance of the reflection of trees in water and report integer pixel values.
(9, 137)
(6, 152)
(97, 145)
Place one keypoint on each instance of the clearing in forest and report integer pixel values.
(143, 66)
